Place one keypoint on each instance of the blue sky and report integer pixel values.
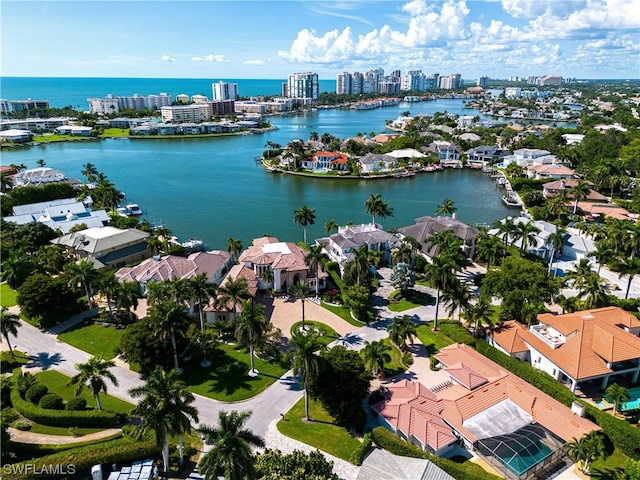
(267, 39)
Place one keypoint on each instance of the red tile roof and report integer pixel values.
(506, 335)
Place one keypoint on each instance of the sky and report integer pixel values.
(270, 39)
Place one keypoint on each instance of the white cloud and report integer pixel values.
(254, 62)
(209, 58)
(167, 58)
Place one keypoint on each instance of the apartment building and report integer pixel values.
(450, 82)
(114, 104)
(186, 113)
(225, 90)
(303, 85)
(29, 106)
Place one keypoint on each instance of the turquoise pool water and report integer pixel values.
(632, 404)
(520, 463)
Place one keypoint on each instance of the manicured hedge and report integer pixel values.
(51, 401)
(460, 471)
(457, 333)
(624, 437)
(360, 453)
(61, 418)
(76, 404)
(35, 393)
(124, 449)
(30, 450)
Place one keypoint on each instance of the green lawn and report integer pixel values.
(7, 295)
(344, 313)
(58, 383)
(94, 339)
(227, 378)
(115, 132)
(62, 431)
(399, 302)
(606, 468)
(434, 341)
(8, 363)
(322, 433)
(328, 334)
(395, 366)
(59, 138)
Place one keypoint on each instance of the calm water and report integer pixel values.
(213, 188)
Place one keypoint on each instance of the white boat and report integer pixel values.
(134, 209)
(193, 245)
(511, 202)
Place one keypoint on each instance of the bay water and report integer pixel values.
(212, 188)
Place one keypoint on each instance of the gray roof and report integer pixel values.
(382, 465)
(426, 227)
(357, 236)
(93, 240)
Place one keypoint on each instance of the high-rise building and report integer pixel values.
(303, 85)
(225, 91)
(29, 106)
(483, 82)
(343, 83)
(551, 80)
(450, 82)
(412, 81)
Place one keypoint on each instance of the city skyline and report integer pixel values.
(249, 39)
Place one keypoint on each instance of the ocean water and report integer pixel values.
(62, 92)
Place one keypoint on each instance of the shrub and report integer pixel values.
(76, 404)
(407, 358)
(360, 453)
(51, 401)
(457, 333)
(22, 425)
(35, 393)
(433, 364)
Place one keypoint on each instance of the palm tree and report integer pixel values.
(5, 183)
(267, 277)
(41, 162)
(442, 275)
(108, 285)
(305, 363)
(556, 239)
(442, 242)
(234, 246)
(578, 276)
(90, 172)
(16, 269)
(300, 291)
(597, 294)
(230, 453)
(158, 292)
(457, 298)
(375, 206)
(489, 248)
(165, 408)
(402, 329)
(403, 253)
(313, 260)
(589, 448)
(376, 355)
(127, 295)
(9, 324)
(303, 217)
(603, 253)
(250, 327)
(358, 266)
(527, 233)
(234, 290)
(447, 207)
(93, 374)
(330, 226)
(508, 229)
(82, 272)
(480, 314)
(627, 267)
(617, 395)
(579, 192)
(169, 320)
(200, 291)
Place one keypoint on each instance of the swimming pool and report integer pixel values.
(524, 459)
(632, 404)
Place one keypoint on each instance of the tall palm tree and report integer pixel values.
(376, 206)
(230, 454)
(313, 260)
(587, 449)
(402, 329)
(358, 267)
(479, 314)
(556, 240)
(603, 254)
(234, 246)
(508, 229)
(83, 273)
(127, 295)
(16, 269)
(631, 240)
(330, 226)
(5, 183)
(90, 171)
(93, 374)
(527, 233)
(300, 291)
(376, 354)
(108, 285)
(597, 294)
(304, 216)
(442, 242)
(489, 248)
(165, 408)
(617, 395)
(447, 207)
(234, 291)
(579, 192)
(627, 267)
(267, 277)
(158, 292)
(457, 298)
(441, 272)
(9, 324)
(169, 320)
(200, 291)
(402, 254)
(577, 277)
(250, 327)
(305, 362)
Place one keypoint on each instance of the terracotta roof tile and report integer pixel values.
(506, 335)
